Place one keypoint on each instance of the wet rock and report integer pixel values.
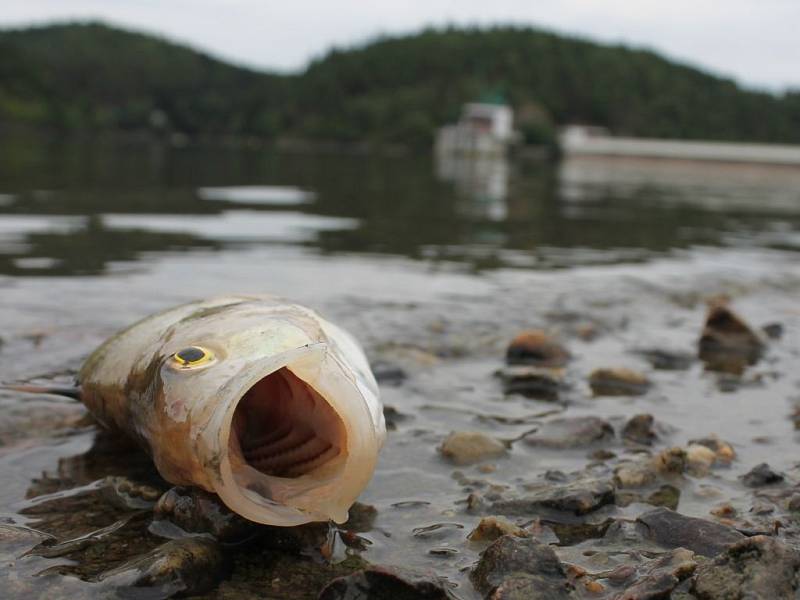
(667, 360)
(536, 348)
(514, 567)
(467, 447)
(532, 382)
(662, 576)
(761, 475)
(491, 528)
(570, 432)
(640, 430)
(674, 530)
(618, 381)
(579, 497)
(728, 343)
(667, 495)
(196, 511)
(755, 567)
(378, 582)
(186, 566)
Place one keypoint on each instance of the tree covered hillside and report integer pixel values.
(392, 90)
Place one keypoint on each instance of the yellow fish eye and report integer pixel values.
(193, 356)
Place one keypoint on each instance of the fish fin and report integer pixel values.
(69, 392)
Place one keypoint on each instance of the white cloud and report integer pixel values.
(754, 41)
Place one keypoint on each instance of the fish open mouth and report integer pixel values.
(295, 441)
(285, 428)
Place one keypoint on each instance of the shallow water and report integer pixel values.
(436, 266)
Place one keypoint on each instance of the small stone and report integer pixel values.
(387, 373)
(467, 447)
(379, 581)
(773, 331)
(794, 503)
(699, 459)
(392, 417)
(667, 360)
(533, 382)
(667, 495)
(361, 517)
(674, 530)
(635, 474)
(602, 454)
(639, 430)
(761, 475)
(728, 343)
(754, 567)
(491, 528)
(514, 567)
(570, 432)
(725, 510)
(187, 566)
(594, 587)
(723, 451)
(197, 511)
(618, 381)
(672, 461)
(536, 348)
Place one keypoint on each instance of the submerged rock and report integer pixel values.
(674, 530)
(378, 582)
(514, 567)
(570, 432)
(579, 497)
(618, 381)
(761, 475)
(640, 429)
(728, 343)
(491, 528)
(755, 567)
(662, 576)
(187, 566)
(536, 348)
(467, 447)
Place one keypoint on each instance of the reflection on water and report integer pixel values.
(83, 209)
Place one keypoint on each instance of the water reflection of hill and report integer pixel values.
(75, 211)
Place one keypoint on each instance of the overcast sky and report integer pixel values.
(753, 41)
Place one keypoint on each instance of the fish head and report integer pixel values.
(279, 416)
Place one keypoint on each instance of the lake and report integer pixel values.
(435, 265)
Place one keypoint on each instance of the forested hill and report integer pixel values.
(392, 90)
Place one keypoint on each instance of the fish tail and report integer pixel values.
(73, 392)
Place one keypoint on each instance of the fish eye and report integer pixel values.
(193, 356)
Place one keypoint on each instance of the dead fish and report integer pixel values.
(261, 401)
